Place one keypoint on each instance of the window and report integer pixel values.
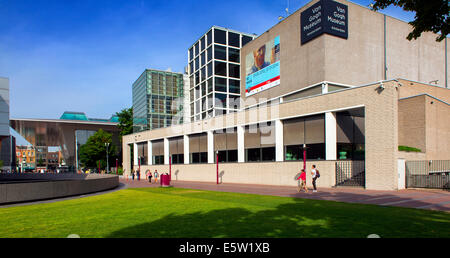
(220, 68)
(158, 152)
(210, 69)
(225, 142)
(196, 49)
(246, 39)
(309, 131)
(233, 55)
(221, 100)
(197, 65)
(176, 150)
(259, 142)
(350, 134)
(220, 36)
(209, 37)
(233, 39)
(233, 70)
(191, 54)
(198, 148)
(209, 54)
(203, 58)
(221, 84)
(220, 52)
(235, 86)
(202, 44)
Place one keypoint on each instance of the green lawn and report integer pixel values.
(158, 212)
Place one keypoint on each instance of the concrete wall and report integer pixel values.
(437, 129)
(263, 173)
(60, 187)
(357, 60)
(411, 132)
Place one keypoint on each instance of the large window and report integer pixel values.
(233, 39)
(350, 134)
(234, 70)
(221, 84)
(233, 55)
(309, 131)
(176, 150)
(220, 36)
(220, 52)
(220, 68)
(158, 152)
(198, 148)
(225, 143)
(245, 40)
(259, 142)
(143, 152)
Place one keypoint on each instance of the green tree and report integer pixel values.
(125, 121)
(94, 150)
(431, 15)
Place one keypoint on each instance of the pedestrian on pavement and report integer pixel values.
(156, 176)
(132, 175)
(302, 182)
(138, 174)
(149, 176)
(315, 175)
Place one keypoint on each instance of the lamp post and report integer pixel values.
(117, 166)
(217, 166)
(107, 163)
(304, 156)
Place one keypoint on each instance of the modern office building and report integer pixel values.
(7, 141)
(335, 84)
(56, 141)
(157, 100)
(214, 72)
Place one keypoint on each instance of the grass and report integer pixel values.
(158, 212)
(408, 149)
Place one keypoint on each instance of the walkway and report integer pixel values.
(422, 199)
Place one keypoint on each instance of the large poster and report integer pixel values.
(263, 67)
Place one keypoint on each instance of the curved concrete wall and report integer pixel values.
(51, 186)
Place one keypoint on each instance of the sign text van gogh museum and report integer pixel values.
(335, 81)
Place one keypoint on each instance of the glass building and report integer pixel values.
(157, 100)
(214, 72)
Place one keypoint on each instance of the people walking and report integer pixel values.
(302, 183)
(149, 176)
(138, 175)
(315, 175)
(156, 176)
(132, 175)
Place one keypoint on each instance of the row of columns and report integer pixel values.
(330, 143)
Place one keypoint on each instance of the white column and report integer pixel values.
(279, 144)
(149, 153)
(240, 143)
(166, 151)
(210, 147)
(330, 136)
(186, 149)
(135, 154)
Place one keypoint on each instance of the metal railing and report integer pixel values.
(351, 173)
(428, 174)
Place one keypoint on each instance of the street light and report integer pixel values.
(107, 163)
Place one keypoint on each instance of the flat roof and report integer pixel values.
(64, 121)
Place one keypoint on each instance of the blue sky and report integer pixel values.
(83, 55)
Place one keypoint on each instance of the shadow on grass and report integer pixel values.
(302, 218)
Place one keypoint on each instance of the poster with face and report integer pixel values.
(263, 67)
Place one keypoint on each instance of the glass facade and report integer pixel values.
(214, 66)
(156, 96)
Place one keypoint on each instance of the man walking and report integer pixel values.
(315, 174)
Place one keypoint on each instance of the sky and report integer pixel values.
(84, 55)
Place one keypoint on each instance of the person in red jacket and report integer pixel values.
(302, 179)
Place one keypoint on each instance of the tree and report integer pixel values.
(94, 150)
(125, 121)
(431, 15)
